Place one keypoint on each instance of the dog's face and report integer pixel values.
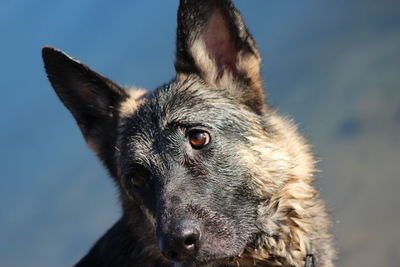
(177, 152)
(179, 157)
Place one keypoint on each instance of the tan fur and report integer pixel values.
(292, 217)
(247, 64)
(92, 146)
(126, 108)
(134, 101)
(206, 64)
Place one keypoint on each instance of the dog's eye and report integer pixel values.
(138, 182)
(139, 177)
(199, 139)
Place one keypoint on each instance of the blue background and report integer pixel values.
(334, 67)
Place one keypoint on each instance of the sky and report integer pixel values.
(331, 66)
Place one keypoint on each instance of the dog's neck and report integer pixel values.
(290, 224)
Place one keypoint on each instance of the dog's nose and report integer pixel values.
(182, 241)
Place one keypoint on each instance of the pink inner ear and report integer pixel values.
(220, 43)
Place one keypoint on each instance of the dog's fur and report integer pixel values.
(248, 192)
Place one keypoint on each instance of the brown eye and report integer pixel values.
(199, 139)
(138, 182)
(139, 176)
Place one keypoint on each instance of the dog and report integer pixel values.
(208, 173)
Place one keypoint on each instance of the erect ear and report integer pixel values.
(213, 42)
(91, 98)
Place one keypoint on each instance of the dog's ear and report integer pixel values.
(213, 42)
(91, 98)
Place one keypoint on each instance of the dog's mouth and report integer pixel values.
(206, 239)
(209, 254)
(213, 252)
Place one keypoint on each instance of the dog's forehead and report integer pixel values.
(187, 103)
(147, 118)
(171, 103)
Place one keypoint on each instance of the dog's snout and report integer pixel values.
(181, 242)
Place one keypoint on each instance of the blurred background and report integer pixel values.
(333, 66)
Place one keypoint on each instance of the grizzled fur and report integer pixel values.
(247, 195)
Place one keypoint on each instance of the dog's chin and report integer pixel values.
(222, 250)
(203, 262)
(217, 257)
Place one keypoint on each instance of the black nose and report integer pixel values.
(181, 242)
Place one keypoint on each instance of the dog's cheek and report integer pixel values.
(235, 225)
(149, 216)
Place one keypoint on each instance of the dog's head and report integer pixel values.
(187, 152)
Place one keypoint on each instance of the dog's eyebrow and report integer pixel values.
(174, 124)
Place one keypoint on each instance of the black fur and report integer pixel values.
(92, 99)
